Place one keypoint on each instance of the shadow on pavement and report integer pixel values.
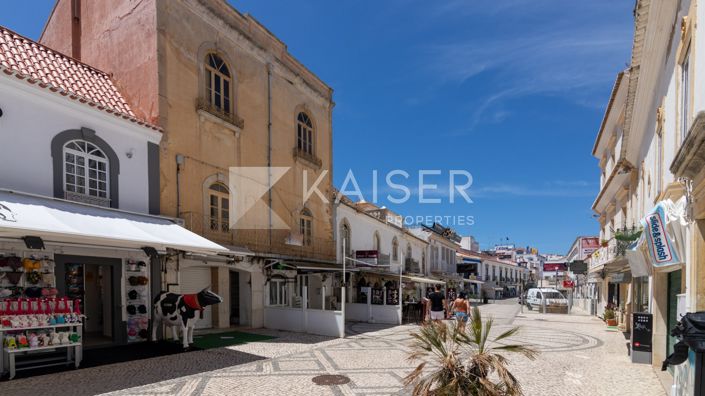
(98, 377)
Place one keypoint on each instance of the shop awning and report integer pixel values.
(59, 221)
(420, 279)
(313, 266)
(479, 282)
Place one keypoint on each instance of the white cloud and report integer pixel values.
(555, 55)
(549, 189)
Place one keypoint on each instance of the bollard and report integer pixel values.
(543, 304)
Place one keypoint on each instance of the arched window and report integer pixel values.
(306, 227)
(218, 83)
(376, 245)
(395, 249)
(219, 207)
(304, 134)
(85, 170)
(345, 238)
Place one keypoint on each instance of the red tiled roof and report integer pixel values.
(49, 69)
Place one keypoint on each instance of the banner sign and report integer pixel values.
(555, 266)
(660, 246)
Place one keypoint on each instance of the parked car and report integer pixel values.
(555, 300)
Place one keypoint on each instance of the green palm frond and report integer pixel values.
(465, 362)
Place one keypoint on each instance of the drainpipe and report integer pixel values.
(179, 162)
(269, 146)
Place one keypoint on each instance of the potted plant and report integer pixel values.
(609, 317)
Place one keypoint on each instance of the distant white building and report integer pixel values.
(470, 243)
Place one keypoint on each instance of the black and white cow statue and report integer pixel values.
(181, 311)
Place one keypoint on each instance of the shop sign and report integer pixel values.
(367, 256)
(620, 277)
(661, 248)
(555, 267)
(6, 214)
(578, 267)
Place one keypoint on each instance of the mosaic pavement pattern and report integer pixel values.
(578, 357)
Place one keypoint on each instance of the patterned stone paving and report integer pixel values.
(578, 358)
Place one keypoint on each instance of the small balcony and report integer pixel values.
(260, 240)
(86, 199)
(309, 158)
(205, 106)
(411, 265)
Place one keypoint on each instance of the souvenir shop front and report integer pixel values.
(75, 276)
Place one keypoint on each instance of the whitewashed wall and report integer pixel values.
(362, 230)
(32, 116)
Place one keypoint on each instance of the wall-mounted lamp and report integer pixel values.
(129, 153)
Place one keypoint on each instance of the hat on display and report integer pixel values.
(5, 293)
(34, 277)
(31, 264)
(48, 277)
(12, 261)
(14, 277)
(138, 280)
(133, 295)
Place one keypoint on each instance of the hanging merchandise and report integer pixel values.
(138, 303)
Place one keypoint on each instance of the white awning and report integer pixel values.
(420, 279)
(59, 221)
(479, 282)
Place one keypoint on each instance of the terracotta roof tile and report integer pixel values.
(40, 65)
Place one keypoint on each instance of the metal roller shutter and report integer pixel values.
(193, 280)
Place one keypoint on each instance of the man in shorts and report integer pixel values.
(438, 304)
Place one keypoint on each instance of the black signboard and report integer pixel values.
(578, 267)
(642, 331)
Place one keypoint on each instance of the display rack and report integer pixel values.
(32, 358)
(139, 315)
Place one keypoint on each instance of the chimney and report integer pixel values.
(76, 29)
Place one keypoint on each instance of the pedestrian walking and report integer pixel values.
(438, 304)
(461, 308)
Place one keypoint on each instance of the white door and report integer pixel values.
(193, 280)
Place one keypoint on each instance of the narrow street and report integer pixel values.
(578, 356)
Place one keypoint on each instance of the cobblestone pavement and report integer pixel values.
(579, 357)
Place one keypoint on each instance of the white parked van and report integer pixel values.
(555, 300)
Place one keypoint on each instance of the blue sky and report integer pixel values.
(512, 91)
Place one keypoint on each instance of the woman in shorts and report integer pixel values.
(461, 309)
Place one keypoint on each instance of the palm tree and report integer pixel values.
(465, 359)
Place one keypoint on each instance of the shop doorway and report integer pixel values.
(674, 289)
(97, 305)
(234, 298)
(95, 281)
